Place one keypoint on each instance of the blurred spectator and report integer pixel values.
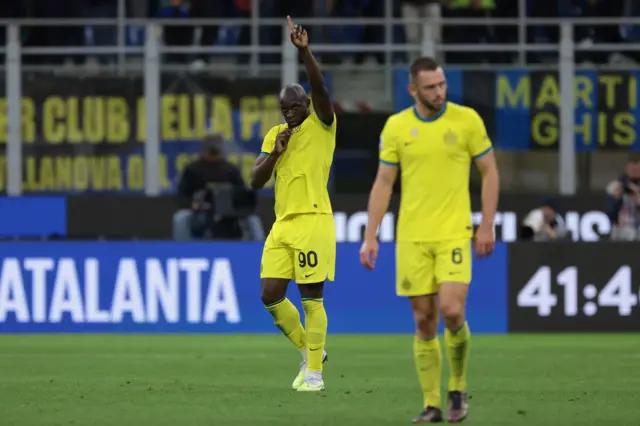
(544, 9)
(203, 9)
(210, 34)
(508, 9)
(582, 34)
(425, 9)
(623, 202)
(544, 224)
(50, 36)
(243, 10)
(213, 198)
(467, 34)
(609, 33)
(364, 34)
(371, 34)
(177, 35)
(343, 34)
(102, 35)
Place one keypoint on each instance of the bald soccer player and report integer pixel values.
(302, 243)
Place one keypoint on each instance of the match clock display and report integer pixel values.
(574, 287)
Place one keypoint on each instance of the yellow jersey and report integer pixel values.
(434, 155)
(302, 172)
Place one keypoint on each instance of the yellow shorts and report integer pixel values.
(422, 267)
(301, 248)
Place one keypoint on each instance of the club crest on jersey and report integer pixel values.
(414, 132)
(406, 284)
(450, 138)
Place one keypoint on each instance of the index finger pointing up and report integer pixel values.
(290, 23)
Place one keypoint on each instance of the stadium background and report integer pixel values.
(82, 144)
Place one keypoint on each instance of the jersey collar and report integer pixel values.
(430, 119)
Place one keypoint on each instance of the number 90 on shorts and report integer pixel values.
(422, 267)
(302, 248)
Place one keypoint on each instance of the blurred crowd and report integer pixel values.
(230, 35)
(546, 223)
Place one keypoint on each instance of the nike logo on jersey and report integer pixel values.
(308, 275)
(313, 350)
(408, 143)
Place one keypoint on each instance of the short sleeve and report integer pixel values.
(479, 142)
(388, 146)
(269, 141)
(331, 127)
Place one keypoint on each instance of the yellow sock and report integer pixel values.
(316, 325)
(429, 367)
(287, 319)
(457, 343)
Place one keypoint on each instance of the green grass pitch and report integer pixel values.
(220, 380)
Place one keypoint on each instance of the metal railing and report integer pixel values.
(153, 50)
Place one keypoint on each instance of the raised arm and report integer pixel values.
(319, 93)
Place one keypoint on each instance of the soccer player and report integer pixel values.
(302, 243)
(433, 144)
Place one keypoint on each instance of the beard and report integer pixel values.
(431, 107)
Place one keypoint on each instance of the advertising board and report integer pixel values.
(204, 287)
(574, 287)
(521, 108)
(584, 216)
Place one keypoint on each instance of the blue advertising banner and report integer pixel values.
(521, 108)
(32, 216)
(206, 288)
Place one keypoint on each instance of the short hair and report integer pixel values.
(633, 158)
(295, 88)
(423, 63)
(213, 143)
(550, 202)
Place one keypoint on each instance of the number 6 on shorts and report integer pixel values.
(456, 256)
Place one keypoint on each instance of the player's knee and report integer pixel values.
(426, 323)
(452, 312)
(311, 291)
(273, 290)
(267, 299)
(271, 296)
